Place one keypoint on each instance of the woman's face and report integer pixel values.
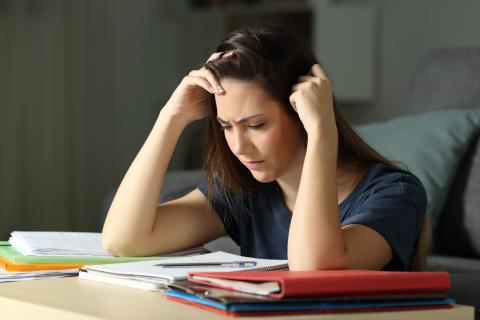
(258, 130)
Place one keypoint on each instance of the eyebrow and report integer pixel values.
(242, 119)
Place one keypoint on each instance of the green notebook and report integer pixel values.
(15, 256)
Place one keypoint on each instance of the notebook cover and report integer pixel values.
(12, 266)
(296, 308)
(338, 282)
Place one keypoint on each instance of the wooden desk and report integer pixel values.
(71, 298)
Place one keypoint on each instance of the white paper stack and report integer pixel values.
(64, 244)
(6, 276)
(73, 244)
(150, 275)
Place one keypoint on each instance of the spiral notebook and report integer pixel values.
(150, 275)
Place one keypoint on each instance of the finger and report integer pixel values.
(319, 71)
(291, 98)
(301, 85)
(199, 81)
(308, 79)
(214, 56)
(205, 73)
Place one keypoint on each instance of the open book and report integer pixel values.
(153, 275)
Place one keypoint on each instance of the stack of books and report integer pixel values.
(35, 255)
(242, 286)
(306, 292)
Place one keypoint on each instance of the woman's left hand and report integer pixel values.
(312, 99)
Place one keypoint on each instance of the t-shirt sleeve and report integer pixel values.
(394, 207)
(228, 216)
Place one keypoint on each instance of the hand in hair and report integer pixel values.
(312, 99)
(189, 101)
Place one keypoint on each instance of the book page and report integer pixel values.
(58, 243)
(149, 268)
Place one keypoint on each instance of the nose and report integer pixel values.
(238, 142)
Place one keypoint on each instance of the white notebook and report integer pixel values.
(147, 275)
(70, 244)
(49, 243)
(6, 276)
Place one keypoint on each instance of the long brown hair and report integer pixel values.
(272, 59)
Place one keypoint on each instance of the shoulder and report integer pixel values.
(382, 181)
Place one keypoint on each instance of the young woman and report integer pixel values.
(287, 177)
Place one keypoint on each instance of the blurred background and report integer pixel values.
(82, 82)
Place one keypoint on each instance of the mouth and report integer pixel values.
(253, 164)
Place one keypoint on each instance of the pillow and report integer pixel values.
(429, 145)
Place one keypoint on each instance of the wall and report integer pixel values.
(408, 30)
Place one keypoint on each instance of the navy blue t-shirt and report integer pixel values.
(388, 200)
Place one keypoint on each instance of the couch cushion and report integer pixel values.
(457, 232)
(446, 78)
(430, 145)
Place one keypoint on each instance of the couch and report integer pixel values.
(449, 78)
(445, 79)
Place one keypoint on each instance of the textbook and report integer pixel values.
(281, 284)
(155, 275)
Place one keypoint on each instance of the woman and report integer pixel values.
(287, 176)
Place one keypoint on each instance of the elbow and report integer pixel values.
(110, 246)
(331, 263)
(117, 247)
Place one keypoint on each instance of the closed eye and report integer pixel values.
(254, 127)
(222, 127)
(257, 126)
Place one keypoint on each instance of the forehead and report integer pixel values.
(242, 99)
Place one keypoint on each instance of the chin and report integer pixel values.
(263, 177)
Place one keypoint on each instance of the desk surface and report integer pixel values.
(71, 298)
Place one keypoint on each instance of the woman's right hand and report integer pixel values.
(190, 100)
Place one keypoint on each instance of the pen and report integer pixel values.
(232, 264)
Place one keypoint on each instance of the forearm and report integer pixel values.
(132, 213)
(315, 236)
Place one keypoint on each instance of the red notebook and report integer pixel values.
(326, 282)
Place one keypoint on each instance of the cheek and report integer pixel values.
(283, 144)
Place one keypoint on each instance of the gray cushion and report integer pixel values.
(458, 229)
(453, 264)
(446, 78)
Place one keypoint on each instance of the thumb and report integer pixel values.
(292, 101)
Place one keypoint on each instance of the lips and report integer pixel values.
(253, 164)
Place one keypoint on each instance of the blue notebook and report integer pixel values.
(280, 305)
